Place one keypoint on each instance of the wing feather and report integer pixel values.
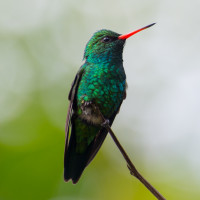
(72, 99)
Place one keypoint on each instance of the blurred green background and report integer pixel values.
(41, 49)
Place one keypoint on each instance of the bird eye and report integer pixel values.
(106, 39)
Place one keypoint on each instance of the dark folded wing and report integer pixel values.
(72, 99)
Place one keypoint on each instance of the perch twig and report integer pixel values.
(130, 165)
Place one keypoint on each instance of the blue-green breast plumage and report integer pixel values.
(104, 85)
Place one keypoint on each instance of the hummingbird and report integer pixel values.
(98, 89)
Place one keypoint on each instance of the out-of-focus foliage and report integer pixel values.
(41, 47)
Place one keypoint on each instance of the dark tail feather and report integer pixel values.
(74, 163)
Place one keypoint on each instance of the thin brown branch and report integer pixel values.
(130, 165)
(132, 168)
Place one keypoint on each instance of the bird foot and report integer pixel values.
(105, 123)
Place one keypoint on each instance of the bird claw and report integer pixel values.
(105, 123)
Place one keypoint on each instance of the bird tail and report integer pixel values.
(74, 161)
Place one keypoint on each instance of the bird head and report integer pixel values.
(107, 46)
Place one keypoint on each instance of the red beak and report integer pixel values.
(125, 36)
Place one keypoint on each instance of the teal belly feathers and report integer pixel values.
(104, 85)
